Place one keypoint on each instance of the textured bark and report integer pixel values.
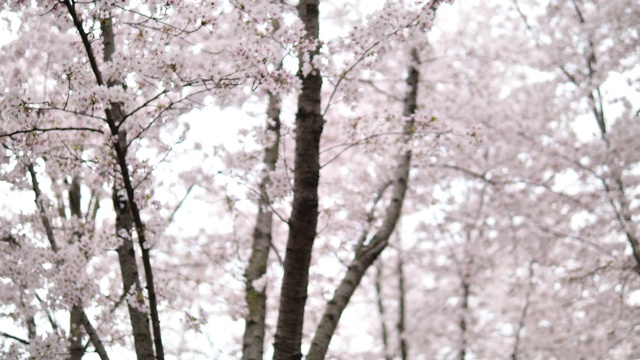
(256, 299)
(304, 214)
(367, 254)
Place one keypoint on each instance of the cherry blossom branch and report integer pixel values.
(526, 21)
(77, 22)
(67, 111)
(43, 130)
(343, 75)
(433, 6)
(473, 174)
(43, 211)
(381, 91)
(93, 336)
(184, 198)
(256, 192)
(145, 104)
(52, 321)
(158, 20)
(371, 215)
(158, 116)
(12, 337)
(366, 255)
(275, 24)
(95, 339)
(160, 161)
(356, 143)
(560, 234)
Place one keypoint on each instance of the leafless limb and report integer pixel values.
(43, 130)
(12, 337)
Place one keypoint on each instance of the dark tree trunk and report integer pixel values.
(131, 279)
(76, 348)
(304, 214)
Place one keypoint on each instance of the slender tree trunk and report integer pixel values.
(404, 347)
(463, 319)
(367, 254)
(381, 311)
(131, 279)
(76, 348)
(523, 314)
(304, 214)
(256, 297)
(115, 119)
(125, 224)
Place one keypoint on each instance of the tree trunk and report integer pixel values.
(463, 318)
(131, 279)
(256, 297)
(76, 348)
(125, 218)
(367, 254)
(304, 214)
(404, 347)
(381, 311)
(523, 314)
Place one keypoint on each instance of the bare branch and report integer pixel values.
(12, 337)
(93, 336)
(43, 130)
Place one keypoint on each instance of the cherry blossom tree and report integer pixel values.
(461, 187)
